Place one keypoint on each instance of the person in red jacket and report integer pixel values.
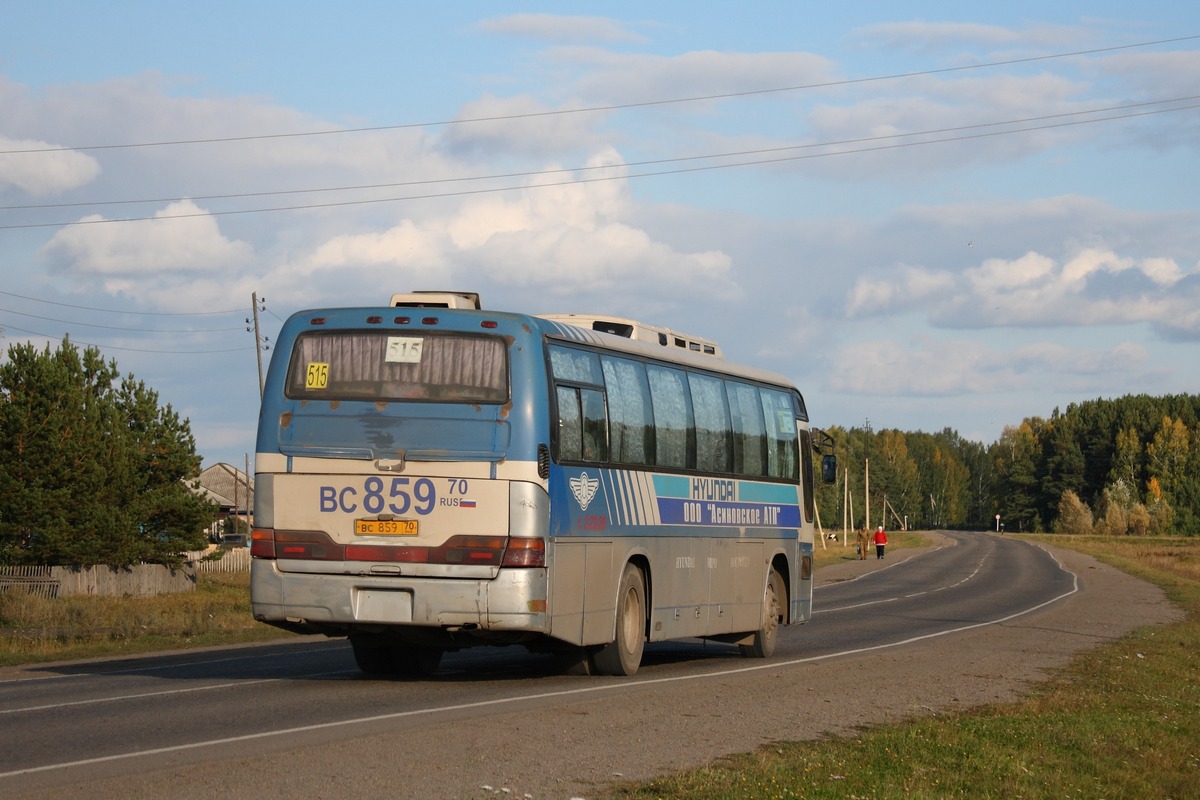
(880, 541)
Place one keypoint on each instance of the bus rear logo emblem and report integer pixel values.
(584, 489)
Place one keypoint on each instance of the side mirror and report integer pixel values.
(829, 468)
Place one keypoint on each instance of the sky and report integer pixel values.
(926, 215)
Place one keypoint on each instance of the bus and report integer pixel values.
(431, 477)
(632, 329)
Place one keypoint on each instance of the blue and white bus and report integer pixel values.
(434, 478)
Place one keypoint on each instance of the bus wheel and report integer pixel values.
(573, 661)
(412, 661)
(765, 637)
(373, 654)
(377, 655)
(624, 655)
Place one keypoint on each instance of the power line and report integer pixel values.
(114, 311)
(115, 327)
(127, 349)
(584, 169)
(612, 107)
(645, 174)
(4, 328)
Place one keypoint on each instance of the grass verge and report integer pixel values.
(38, 629)
(1123, 720)
(831, 551)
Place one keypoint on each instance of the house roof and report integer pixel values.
(226, 486)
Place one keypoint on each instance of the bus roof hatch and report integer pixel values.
(426, 299)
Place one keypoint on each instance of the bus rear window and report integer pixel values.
(394, 365)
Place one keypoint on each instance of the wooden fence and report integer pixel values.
(139, 580)
(234, 559)
(40, 581)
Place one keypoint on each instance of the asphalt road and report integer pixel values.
(972, 619)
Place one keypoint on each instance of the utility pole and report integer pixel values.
(257, 340)
(845, 504)
(249, 506)
(867, 490)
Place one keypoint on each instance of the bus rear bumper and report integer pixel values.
(513, 601)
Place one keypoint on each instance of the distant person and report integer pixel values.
(880, 541)
(862, 544)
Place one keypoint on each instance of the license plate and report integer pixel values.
(385, 527)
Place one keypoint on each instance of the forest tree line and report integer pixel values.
(1129, 465)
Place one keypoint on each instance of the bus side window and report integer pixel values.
(780, 418)
(674, 446)
(631, 426)
(712, 423)
(570, 425)
(595, 426)
(749, 433)
(806, 470)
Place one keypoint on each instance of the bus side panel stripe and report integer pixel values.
(631, 499)
(612, 498)
(648, 502)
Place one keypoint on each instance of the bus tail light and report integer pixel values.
(262, 543)
(302, 545)
(525, 553)
(494, 551)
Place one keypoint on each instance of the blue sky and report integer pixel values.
(925, 215)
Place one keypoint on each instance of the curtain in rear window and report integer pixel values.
(393, 365)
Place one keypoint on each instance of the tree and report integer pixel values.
(893, 479)
(1171, 461)
(92, 469)
(1062, 462)
(1133, 463)
(1126, 463)
(1016, 458)
(1074, 517)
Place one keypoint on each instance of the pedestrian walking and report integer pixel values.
(862, 544)
(880, 541)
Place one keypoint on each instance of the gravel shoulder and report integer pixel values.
(576, 750)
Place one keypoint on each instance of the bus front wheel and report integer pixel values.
(763, 644)
(624, 655)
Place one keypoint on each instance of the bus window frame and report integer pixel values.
(688, 371)
(296, 355)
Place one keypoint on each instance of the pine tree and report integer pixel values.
(92, 469)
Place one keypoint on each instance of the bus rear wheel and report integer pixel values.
(765, 638)
(379, 655)
(623, 655)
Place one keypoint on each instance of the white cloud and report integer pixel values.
(934, 368)
(147, 251)
(908, 286)
(517, 125)
(41, 174)
(607, 76)
(956, 36)
(1093, 287)
(998, 276)
(561, 240)
(560, 28)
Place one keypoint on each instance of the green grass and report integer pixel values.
(1122, 720)
(38, 629)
